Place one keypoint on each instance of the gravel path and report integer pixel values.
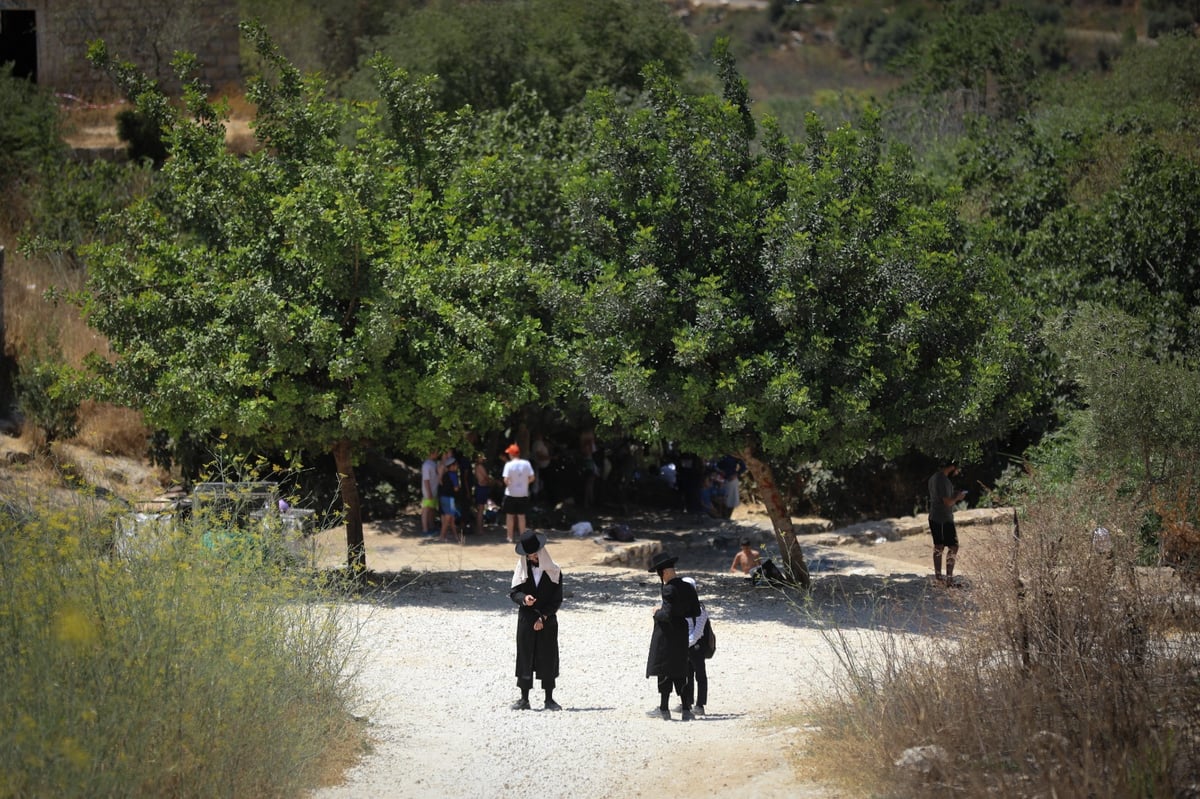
(437, 682)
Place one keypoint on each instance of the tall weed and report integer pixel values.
(1066, 671)
(173, 670)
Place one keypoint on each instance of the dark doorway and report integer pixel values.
(18, 43)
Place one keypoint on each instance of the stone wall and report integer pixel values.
(146, 32)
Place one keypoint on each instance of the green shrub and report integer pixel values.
(159, 670)
(29, 126)
(49, 395)
(143, 135)
(69, 200)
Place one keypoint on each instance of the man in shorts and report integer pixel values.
(518, 477)
(430, 478)
(942, 499)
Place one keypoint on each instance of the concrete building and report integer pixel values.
(47, 40)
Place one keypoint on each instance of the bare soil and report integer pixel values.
(702, 544)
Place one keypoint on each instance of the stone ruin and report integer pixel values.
(47, 41)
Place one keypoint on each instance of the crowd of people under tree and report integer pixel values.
(462, 495)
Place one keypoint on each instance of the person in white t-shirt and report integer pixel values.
(518, 477)
(431, 476)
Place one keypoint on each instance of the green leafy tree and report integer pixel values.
(557, 48)
(1092, 193)
(326, 292)
(977, 52)
(813, 304)
(1136, 248)
(1142, 405)
(49, 393)
(30, 128)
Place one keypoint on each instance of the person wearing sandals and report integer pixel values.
(537, 592)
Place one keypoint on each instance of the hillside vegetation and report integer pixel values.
(841, 241)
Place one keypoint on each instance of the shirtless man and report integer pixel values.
(747, 559)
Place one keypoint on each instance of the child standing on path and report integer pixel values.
(698, 674)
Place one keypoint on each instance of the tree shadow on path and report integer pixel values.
(898, 603)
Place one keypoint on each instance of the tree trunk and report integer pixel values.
(356, 551)
(781, 517)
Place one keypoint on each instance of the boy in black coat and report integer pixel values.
(668, 659)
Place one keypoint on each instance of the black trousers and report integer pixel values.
(698, 675)
(682, 686)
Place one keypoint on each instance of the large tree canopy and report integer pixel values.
(338, 286)
(559, 49)
(798, 304)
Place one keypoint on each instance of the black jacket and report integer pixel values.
(669, 642)
(538, 651)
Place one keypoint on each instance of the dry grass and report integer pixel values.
(112, 430)
(1067, 673)
(95, 126)
(36, 325)
(32, 322)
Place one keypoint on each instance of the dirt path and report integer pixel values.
(436, 669)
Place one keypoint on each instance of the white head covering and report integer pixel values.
(545, 562)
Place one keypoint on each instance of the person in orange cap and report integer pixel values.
(518, 477)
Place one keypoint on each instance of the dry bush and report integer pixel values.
(1069, 673)
(33, 323)
(1180, 536)
(112, 430)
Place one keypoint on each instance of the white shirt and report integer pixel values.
(696, 627)
(429, 478)
(518, 474)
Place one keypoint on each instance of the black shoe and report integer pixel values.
(521, 704)
(659, 712)
(552, 705)
(699, 710)
(687, 714)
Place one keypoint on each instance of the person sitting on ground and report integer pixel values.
(747, 559)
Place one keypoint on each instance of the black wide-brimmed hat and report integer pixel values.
(660, 561)
(530, 542)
